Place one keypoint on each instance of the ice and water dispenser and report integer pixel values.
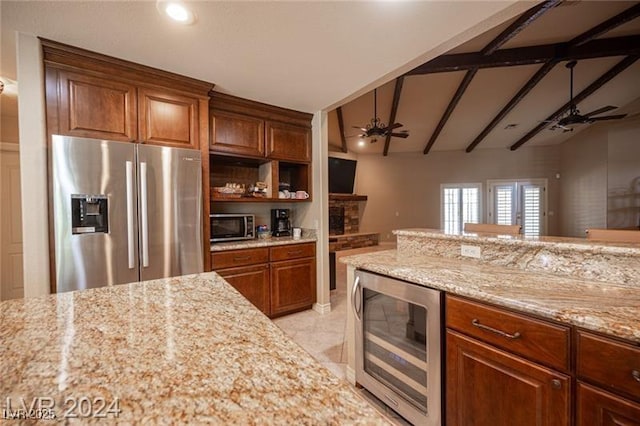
(89, 214)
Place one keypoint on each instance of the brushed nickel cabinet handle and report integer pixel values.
(636, 375)
(237, 258)
(476, 323)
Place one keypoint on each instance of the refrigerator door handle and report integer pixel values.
(143, 214)
(130, 243)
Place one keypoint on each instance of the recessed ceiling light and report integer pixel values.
(177, 11)
(361, 142)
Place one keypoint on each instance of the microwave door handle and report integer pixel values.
(246, 225)
(129, 179)
(143, 214)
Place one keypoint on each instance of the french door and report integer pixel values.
(519, 202)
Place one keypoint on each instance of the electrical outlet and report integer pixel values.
(470, 251)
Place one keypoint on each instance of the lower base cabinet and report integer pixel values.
(488, 386)
(293, 285)
(596, 407)
(277, 280)
(252, 282)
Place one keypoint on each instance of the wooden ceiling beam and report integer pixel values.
(622, 18)
(507, 34)
(394, 109)
(343, 137)
(599, 48)
(533, 81)
(606, 77)
(518, 25)
(452, 105)
(586, 36)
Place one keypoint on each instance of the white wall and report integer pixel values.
(404, 189)
(33, 170)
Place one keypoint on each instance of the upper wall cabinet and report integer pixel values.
(168, 119)
(96, 107)
(245, 128)
(96, 96)
(237, 134)
(288, 142)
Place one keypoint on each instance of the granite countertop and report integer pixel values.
(273, 241)
(186, 349)
(558, 243)
(605, 307)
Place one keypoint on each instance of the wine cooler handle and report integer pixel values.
(354, 292)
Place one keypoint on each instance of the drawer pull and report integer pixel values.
(239, 258)
(294, 252)
(636, 375)
(476, 323)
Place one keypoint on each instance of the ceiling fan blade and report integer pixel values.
(600, 110)
(359, 128)
(608, 117)
(394, 126)
(400, 135)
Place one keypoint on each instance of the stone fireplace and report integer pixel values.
(344, 223)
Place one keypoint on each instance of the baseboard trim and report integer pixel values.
(351, 375)
(324, 308)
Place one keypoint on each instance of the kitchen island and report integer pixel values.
(555, 319)
(187, 349)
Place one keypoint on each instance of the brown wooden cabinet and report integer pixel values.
(237, 134)
(612, 368)
(94, 107)
(293, 285)
(488, 386)
(505, 368)
(288, 142)
(167, 118)
(252, 282)
(278, 280)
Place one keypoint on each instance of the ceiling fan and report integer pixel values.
(376, 128)
(574, 116)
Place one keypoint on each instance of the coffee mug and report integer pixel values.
(301, 195)
(297, 233)
(281, 194)
(286, 193)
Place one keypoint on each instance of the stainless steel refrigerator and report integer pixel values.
(124, 212)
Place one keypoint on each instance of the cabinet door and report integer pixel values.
(293, 285)
(487, 386)
(288, 142)
(252, 282)
(599, 408)
(94, 107)
(237, 134)
(168, 119)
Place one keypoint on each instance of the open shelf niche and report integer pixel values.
(247, 171)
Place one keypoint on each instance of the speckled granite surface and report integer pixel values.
(606, 307)
(572, 257)
(179, 350)
(274, 241)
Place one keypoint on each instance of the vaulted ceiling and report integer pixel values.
(609, 32)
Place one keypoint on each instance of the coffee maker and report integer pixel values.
(280, 223)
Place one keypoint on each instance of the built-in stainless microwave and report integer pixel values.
(232, 227)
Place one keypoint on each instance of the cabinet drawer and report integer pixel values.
(293, 251)
(611, 364)
(531, 338)
(232, 258)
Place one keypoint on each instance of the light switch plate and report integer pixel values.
(470, 251)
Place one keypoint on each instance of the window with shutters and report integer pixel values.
(460, 204)
(518, 202)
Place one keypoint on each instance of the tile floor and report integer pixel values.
(323, 336)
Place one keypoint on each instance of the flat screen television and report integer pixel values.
(342, 174)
